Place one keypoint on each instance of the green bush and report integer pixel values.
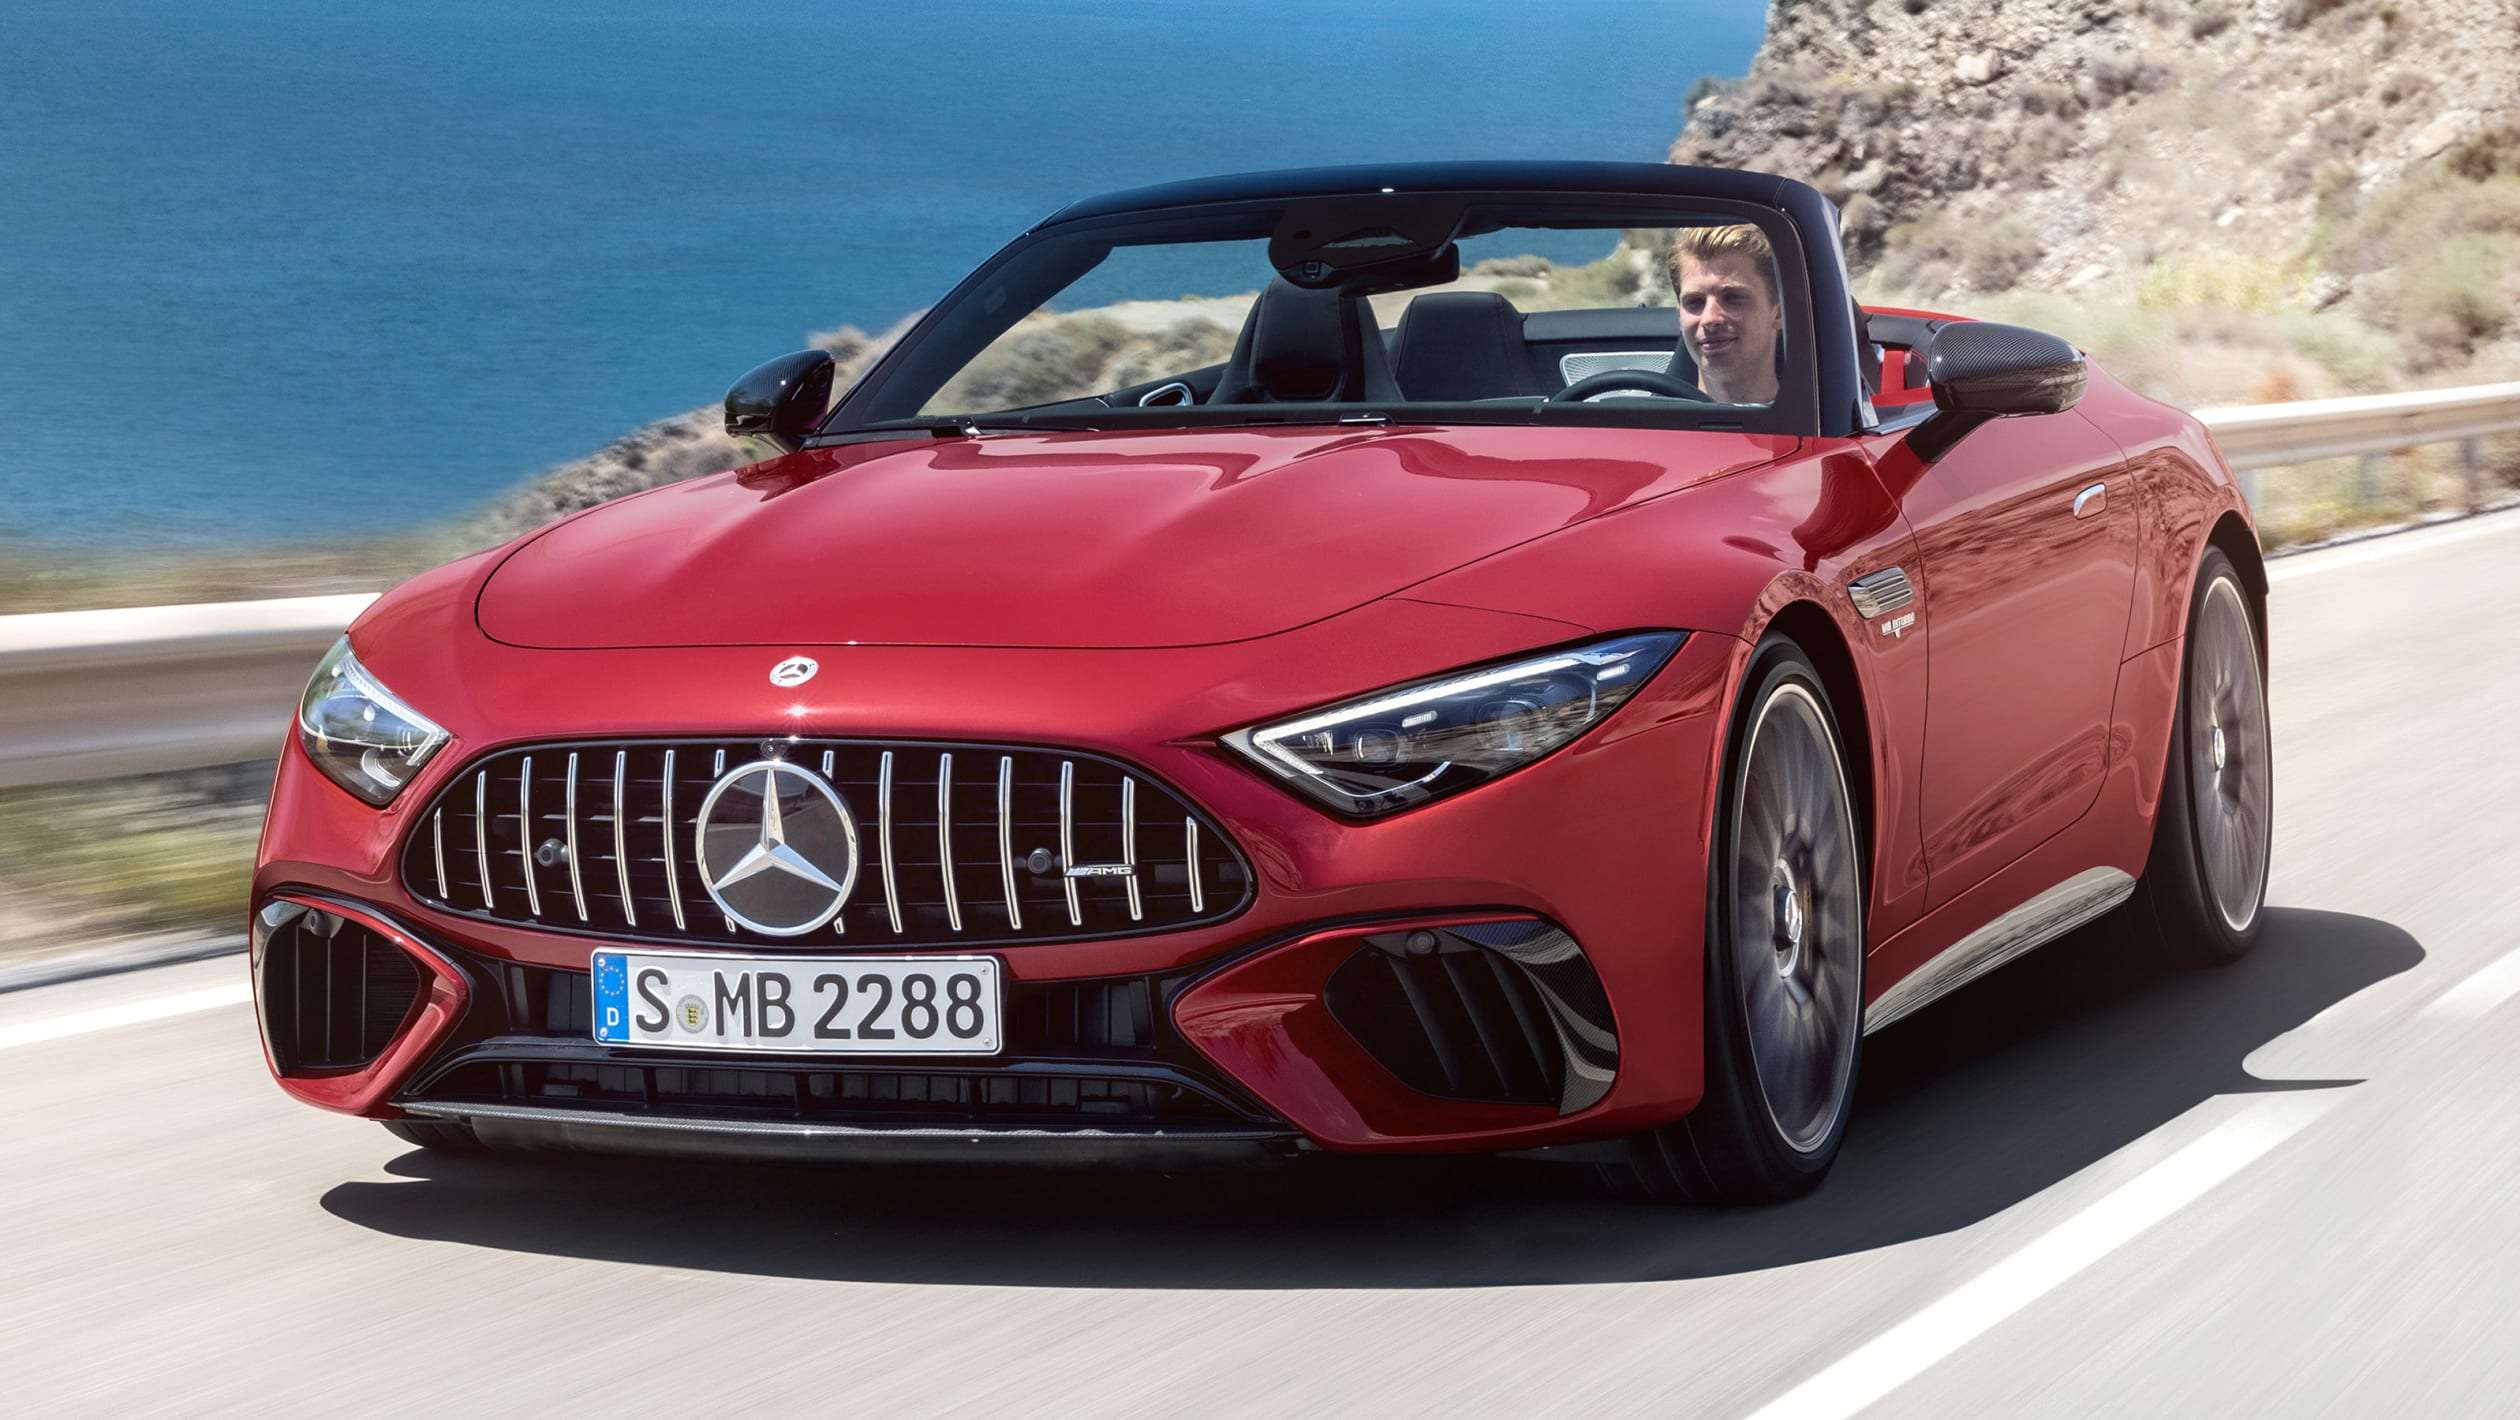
(2452, 299)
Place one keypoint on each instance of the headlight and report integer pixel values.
(1412, 743)
(359, 733)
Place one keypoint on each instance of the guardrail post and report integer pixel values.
(2472, 471)
(2367, 482)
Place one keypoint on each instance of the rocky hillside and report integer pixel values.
(2352, 161)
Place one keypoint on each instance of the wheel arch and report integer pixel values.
(2232, 534)
(1809, 626)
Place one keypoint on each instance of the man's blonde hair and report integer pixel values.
(1705, 244)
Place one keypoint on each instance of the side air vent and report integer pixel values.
(333, 994)
(1499, 1012)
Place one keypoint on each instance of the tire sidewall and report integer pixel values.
(1733, 1109)
(2186, 910)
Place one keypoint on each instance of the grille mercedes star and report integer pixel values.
(942, 844)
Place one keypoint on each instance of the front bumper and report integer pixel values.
(1605, 841)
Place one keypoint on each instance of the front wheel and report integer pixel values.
(1784, 960)
(2205, 881)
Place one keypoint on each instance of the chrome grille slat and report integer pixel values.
(1128, 846)
(1190, 861)
(621, 840)
(1092, 811)
(481, 837)
(717, 770)
(883, 811)
(1067, 838)
(525, 833)
(1006, 840)
(667, 827)
(840, 921)
(945, 835)
(577, 882)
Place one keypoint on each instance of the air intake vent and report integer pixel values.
(941, 844)
(1499, 1012)
(334, 994)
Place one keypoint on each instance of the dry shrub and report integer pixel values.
(2452, 299)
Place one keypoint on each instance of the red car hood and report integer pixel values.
(1185, 537)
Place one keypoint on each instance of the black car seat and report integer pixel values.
(1304, 346)
(1462, 345)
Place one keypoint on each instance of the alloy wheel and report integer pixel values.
(2228, 743)
(1795, 916)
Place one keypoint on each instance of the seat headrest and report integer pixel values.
(1300, 346)
(1460, 345)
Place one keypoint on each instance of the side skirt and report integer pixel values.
(2070, 904)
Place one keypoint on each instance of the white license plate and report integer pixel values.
(803, 1006)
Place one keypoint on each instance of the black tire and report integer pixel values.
(1784, 960)
(437, 1136)
(2204, 885)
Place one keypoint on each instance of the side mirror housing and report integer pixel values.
(1980, 371)
(781, 402)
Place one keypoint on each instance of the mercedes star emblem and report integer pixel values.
(795, 670)
(778, 849)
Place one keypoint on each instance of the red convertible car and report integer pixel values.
(1445, 658)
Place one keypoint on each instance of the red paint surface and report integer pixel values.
(1139, 595)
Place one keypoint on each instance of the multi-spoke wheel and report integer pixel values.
(1784, 959)
(2206, 878)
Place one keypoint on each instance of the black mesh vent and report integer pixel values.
(474, 852)
(333, 993)
(1503, 1013)
(1095, 1054)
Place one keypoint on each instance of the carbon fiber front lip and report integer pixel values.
(797, 1129)
(529, 1127)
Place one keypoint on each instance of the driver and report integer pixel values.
(1725, 281)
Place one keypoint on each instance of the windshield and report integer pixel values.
(1426, 308)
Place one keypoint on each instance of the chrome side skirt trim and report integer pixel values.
(2070, 904)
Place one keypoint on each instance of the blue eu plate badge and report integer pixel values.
(612, 999)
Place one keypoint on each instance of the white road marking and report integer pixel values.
(1902, 1353)
(130, 1013)
(2393, 545)
(2484, 989)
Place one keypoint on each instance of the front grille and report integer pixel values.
(1500, 1012)
(1095, 1054)
(602, 838)
(333, 993)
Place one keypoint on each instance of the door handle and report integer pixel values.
(2091, 500)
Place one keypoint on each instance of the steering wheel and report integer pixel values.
(1637, 381)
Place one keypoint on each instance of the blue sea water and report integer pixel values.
(297, 267)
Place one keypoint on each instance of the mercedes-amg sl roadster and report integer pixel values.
(1449, 658)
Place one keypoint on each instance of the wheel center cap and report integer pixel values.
(1789, 922)
(2219, 752)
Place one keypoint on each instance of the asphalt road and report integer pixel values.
(2082, 1186)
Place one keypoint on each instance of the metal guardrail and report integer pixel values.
(88, 694)
(2256, 436)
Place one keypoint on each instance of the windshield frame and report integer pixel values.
(982, 307)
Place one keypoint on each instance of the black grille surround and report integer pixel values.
(1087, 1055)
(333, 994)
(474, 853)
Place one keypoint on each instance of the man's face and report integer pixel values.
(1728, 317)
